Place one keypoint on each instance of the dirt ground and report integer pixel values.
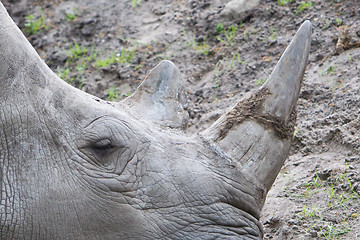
(106, 48)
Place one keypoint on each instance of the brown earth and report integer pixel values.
(106, 48)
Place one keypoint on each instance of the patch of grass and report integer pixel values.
(34, 25)
(273, 33)
(64, 74)
(232, 62)
(81, 84)
(250, 30)
(329, 70)
(229, 35)
(137, 67)
(314, 183)
(136, 3)
(260, 81)
(80, 67)
(200, 47)
(71, 15)
(304, 6)
(331, 232)
(339, 201)
(236, 58)
(219, 28)
(312, 212)
(338, 21)
(113, 94)
(239, 59)
(203, 48)
(217, 72)
(125, 56)
(283, 2)
(76, 52)
(336, 84)
(105, 62)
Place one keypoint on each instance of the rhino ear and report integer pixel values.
(160, 98)
(257, 132)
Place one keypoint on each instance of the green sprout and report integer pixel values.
(71, 15)
(284, 2)
(305, 6)
(34, 25)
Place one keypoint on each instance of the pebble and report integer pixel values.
(237, 8)
(292, 222)
(295, 228)
(313, 234)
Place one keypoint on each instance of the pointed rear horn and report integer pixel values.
(256, 134)
(161, 97)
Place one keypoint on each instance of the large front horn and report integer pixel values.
(256, 134)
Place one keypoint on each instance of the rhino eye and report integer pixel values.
(103, 147)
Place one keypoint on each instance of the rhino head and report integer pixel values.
(73, 166)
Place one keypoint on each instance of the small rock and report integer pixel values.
(297, 163)
(292, 222)
(356, 187)
(237, 9)
(325, 174)
(199, 93)
(286, 230)
(295, 228)
(159, 11)
(200, 39)
(319, 57)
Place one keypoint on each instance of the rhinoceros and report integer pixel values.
(74, 166)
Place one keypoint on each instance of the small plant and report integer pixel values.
(338, 21)
(329, 70)
(113, 94)
(32, 25)
(71, 15)
(76, 52)
(239, 59)
(332, 232)
(312, 212)
(336, 84)
(304, 6)
(203, 48)
(273, 33)
(136, 3)
(314, 183)
(260, 81)
(64, 74)
(105, 62)
(219, 28)
(125, 56)
(81, 84)
(230, 34)
(217, 73)
(236, 57)
(284, 2)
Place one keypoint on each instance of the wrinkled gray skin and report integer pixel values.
(77, 167)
